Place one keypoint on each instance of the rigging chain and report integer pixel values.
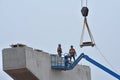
(90, 34)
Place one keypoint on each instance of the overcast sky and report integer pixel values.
(43, 24)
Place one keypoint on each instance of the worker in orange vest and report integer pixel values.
(72, 53)
(59, 50)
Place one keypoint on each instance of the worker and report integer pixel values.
(72, 52)
(59, 50)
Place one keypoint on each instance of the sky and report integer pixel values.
(43, 24)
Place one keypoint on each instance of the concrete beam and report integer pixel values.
(25, 63)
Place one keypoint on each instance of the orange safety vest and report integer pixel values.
(59, 50)
(72, 51)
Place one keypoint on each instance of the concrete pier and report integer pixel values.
(25, 63)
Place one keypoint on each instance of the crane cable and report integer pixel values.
(105, 59)
(91, 37)
(91, 43)
(85, 3)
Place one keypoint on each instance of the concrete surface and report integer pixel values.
(26, 63)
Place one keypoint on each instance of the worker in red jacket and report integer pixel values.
(59, 50)
(72, 53)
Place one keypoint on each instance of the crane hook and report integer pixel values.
(84, 11)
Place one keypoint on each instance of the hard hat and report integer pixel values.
(71, 46)
(59, 44)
